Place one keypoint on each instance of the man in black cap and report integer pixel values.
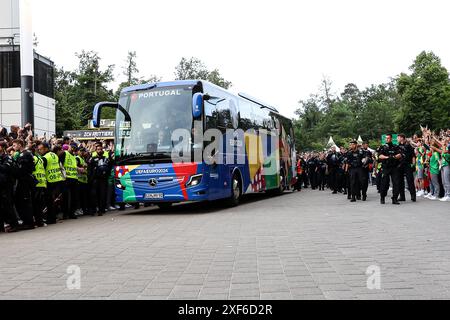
(406, 169)
(390, 157)
(355, 158)
(6, 190)
(333, 164)
(367, 162)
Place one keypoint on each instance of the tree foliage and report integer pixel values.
(193, 68)
(131, 72)
(402, 105)
(425, 94)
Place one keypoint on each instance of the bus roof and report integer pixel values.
(148, 86)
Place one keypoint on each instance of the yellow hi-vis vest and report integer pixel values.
(39, 172)
(70, 165)
(82, 177)
(53, 171)
(105, 154)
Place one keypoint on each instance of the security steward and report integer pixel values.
(354, 167)
(25, 184)
(7, 214)
(406, 169)
(40, 191)
(82, 174)
(67, 158)
(390, 156)
(55, 179)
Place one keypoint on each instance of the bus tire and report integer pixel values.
(278, 191)
(164, 205)
(236, 191)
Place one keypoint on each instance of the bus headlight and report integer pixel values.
(194, 180)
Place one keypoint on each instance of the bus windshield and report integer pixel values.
(154, 114)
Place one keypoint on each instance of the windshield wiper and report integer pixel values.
(145, 156)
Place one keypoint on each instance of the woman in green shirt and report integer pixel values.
(434, 170)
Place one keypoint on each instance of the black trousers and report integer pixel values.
(99, 193)
(321, 179)
(356, 182)
(333, 179)
(405, 171)
(365, 181)
(70, 197)
(7, 213)
(304, 178)
(312, 175)
(378, 180)
(53, 200)
(387, 174)
(23, 201)
(39, 197)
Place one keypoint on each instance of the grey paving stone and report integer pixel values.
(265, 249)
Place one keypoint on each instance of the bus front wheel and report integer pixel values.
(236, 191)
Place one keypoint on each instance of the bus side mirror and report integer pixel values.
(197, 105)
(98, 111)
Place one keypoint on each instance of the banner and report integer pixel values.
(90, 134)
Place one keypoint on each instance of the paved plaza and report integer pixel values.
(307, 245)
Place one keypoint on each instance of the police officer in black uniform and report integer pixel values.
(99, 170)
(312, 171)
(355, 158)
(321, 172)
(406, 169)
(6, 190)
(333, 164)
(25, 184)
(390, 156)
(367, 161)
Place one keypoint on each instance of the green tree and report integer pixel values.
(310, 115)
(194, 68)
(76, 92)
(131, 72)
(425, 94)
(68, 112)
(90, 85)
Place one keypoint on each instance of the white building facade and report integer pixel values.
(10, 79)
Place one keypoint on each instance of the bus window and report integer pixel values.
(210, 116)
(224, 120)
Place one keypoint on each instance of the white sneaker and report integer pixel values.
(445, 199)
(427, 196)
(112, 208)
(419, 193)
(432, 197)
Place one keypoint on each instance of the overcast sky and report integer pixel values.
(277, 51)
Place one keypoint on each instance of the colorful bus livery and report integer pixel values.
(228, 145)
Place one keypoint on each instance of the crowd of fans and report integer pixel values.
(429, 163)
(45, 180)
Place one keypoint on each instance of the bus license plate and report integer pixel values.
(154, 196)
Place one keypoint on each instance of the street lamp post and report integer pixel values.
(26, 62)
